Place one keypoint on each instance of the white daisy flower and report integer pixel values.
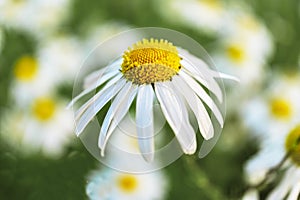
(206, 15)
(277, 110)
(108, 184)
(61, 54)
(270, 117)
(151, 70)
(289, 186)
(44, 126)
(42, 17)
(31, 79)
(246, 46)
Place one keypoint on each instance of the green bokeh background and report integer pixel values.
(217, 176)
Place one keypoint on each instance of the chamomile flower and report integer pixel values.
(150, 70)
(277, 110)
(42, 17)
(269, 118)
(45, 126)
(109, 184)
(289, 186)
(206, 15)
(61, 54)
(246, 46)
(30, 79)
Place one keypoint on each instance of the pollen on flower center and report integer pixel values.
(292, 145)
(127, 183)
(281, 108)
(43, 109)
(26, 68)
(150, 61)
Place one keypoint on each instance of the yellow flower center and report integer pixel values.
(127, 183)
(236, 53)
(281, 108)
(292, 145)
(150, 61)
(43, 109)
(26, 68)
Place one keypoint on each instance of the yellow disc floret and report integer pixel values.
(281, 108)
(292, 145)
(26, 68)
(127, 183)
(150, 61)
(43, 109)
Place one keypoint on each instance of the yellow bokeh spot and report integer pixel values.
(292, 145)
(281, 108)
(150, 61)
(212, 4)
(236, 53)
(127, 183)
(43, 109)
(25, 68)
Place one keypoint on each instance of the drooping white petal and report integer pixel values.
(92, 78)
(203, 119)
(207, 81)
(94, 108)
(117, 110)
(99, 82)
(204, 96)
(144, 121)
(225, 76)
(119, 115)
(177, 116)
(108, 85)
(285, 185)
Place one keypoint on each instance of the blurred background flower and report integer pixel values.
(43, 45)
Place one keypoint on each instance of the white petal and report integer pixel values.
(99, 82)
(87, 104)
(92, 78)
(285, 185)
(204, 96)
(209, 82)
(203, 119)
(117, 110)
(177, 116)
(225, 76)
(295, 192)
(94, 108)
(144, 121)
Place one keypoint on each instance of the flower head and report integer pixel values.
(109, 184)
(154, 69)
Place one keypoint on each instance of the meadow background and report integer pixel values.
(58, 42)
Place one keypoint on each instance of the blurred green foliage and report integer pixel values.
(219, 175)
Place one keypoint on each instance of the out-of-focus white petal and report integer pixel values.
(177, 116)
(144, 121)
(203, 119)
(251, 195)
(282, 189)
